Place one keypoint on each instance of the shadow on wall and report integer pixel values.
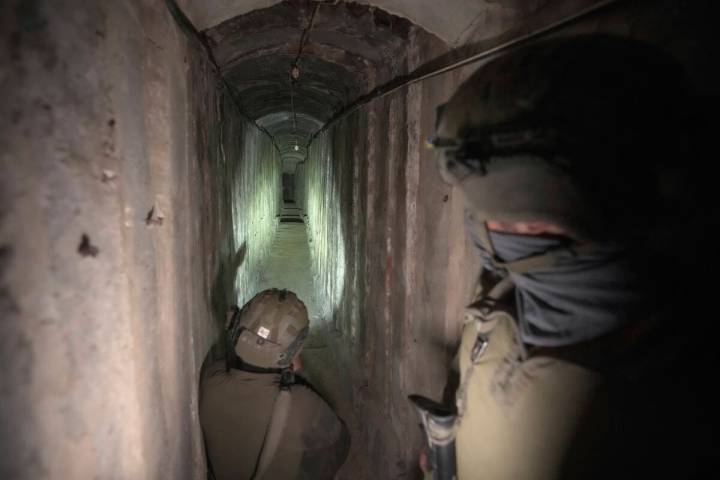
(223, 296)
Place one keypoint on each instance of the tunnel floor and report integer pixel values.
(289, 266)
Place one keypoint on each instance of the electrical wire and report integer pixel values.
(306, 33)
(292, 105)
(393, 85)
(295, 65)
(417, 75)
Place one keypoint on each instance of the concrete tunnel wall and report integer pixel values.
(391, 265)
(129, 185)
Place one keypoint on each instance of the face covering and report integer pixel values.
(581, 296)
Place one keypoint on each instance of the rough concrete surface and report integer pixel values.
(348, 50)
(119, 237)
(137, 204)
(450, 20)
(387, 262)
(100, 379)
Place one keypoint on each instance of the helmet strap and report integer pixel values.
(238, 364)
(287, 374)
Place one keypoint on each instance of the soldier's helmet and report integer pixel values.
(575, 131)
(270, 329)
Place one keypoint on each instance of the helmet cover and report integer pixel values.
(271, 329)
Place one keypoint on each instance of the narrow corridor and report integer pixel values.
(146, 150)
(289, 266)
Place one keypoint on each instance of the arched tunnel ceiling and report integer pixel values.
(449, 20)
(350, 48)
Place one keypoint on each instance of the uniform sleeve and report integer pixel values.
(326, 441)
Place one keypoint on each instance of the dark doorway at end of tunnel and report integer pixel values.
(291, 220)
(291, 213)
(288, 187)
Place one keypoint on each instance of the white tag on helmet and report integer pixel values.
(263, 332)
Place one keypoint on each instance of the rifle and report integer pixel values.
(439, 425)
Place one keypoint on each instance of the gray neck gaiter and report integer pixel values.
(583, 296)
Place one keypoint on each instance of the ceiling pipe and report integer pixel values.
(418, 75)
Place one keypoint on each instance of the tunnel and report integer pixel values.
(163, 161)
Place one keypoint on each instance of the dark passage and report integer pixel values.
(289, 266)
(163, 161)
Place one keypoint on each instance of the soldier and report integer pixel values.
(260, 421)
(567, 153)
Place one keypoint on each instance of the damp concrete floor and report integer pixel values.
(289, 266)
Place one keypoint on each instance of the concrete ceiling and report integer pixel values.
(450, 20)
(350, 49)
(353, 47)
